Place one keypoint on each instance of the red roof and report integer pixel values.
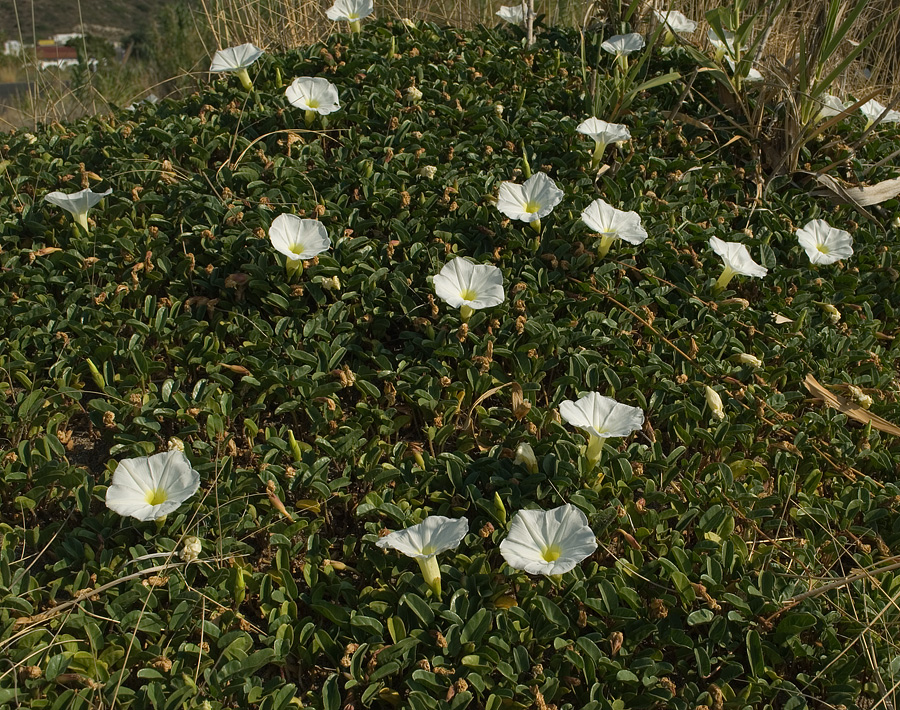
(51, 54)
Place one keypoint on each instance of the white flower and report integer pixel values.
(192, 548)
(676, 22)
(175, 444)
(469, 286)
(603, 134)
(78, 203)
(151, 487)
(548, 542)
(530, 201)
(298, 238)
(314, 95)
(748, 359)
(753, 75)
(613, 224)
(514, 14)
(332, 283)
(737, 261)
(823, 243)
(830, 106)
(423, 542)
(623, 45)
(237, 59)
(498, 109)
(715, 403)
(860, 397)
(413, 95)
(601, 417)
(722, 46)
(525, 457)
(872, 110)
(428, 171)
(351, 11)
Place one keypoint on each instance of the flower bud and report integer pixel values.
(715, 403)
(427, 171)
(498, 108)
(834, 315)
(331, 284)
(499, 508)
(860, 397)
(748, 359)
(175, 444)
(525, 457)
(413, 95)
(192, 548)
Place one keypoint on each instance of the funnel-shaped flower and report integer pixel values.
(676, 22)
(525, 456)
(715, 403)
(530, 201)
(469, 286)
(823, 243)
(548, 542)
(78, 203)
(351, 11)
(830, 106)
(298, 239)
(514, 14)
(603, 134)
(237, 59)
(623, 45)
(721, 45)
(423, 542)
(873, 109)
(737, 261)
(151, 487)
(313, 95)
(602, 418)
(613, 224)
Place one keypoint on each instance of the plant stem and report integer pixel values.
(722, 283)
(431, 571)
(605, 243)
(244, 76)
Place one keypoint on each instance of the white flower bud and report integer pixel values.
(751, 360)
(428, 171)
(860, 397)
(413, 95)
(525, 457)
(175, 444)
(331, 284)
(896, 222)
(409, 23)
(30, 137)
(192, 548)
(715, 403)
(834, 315)
(498, 108)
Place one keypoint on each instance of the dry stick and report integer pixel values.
(837, 584)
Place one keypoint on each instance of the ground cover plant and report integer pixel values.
(716, 536)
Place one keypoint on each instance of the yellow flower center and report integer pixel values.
(296, 249)
(157, 496)
(551, 553)
(313, 103)
(531, 207)
(468, 294)
(822, 248)
(428, 550)
(352, 16)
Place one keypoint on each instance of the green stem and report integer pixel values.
(244, 76)
(310, 117)
(599, 149)
(594, 450)
(431, 571)
(355, 26)
(465, 312)
(81, 218)
(294, 268)
(535, 225)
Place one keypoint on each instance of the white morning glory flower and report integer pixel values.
(603, 134)
(823, 243)
(715, 403)
(676, 22)
(237, 59)
(423, 542)
(548, 542)
(514, 14)
(872, 109)
(298, 239)
(623, 45)
(151, 487)
(469, 286)
(602, 418)
(752, 76)
(525, 457)
(351, 11)
(737, 261)
(721, 46)
(613, 224)
(830, 106)
(78, 203)
(314, 95)
(530, 201)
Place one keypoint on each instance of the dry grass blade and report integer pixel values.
(854, 411)
(861, 196)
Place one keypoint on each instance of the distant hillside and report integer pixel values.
(111, 19)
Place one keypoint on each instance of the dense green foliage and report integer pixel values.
(707, 529)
